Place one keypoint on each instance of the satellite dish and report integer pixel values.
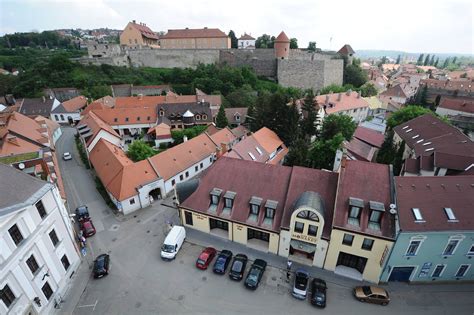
(21, 166)
(393, 211)
(393, 208)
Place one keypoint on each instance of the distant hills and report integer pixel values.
(370, 53)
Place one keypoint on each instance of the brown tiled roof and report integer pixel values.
(282, 38)
(460, 104)
(36, 106)
(369, 136)
(240, 131)
(101, 103)
(246, 37)
(360, 150)
(231, 112)
(450, 85)
(75, 104)
(96, 124)
(194, 33)
(223, 136)
(161, 131)
(412, 166)
(127, 116)
(145, 31)
(394, 91)
(431, 194)
(247, 146)
(428, 135)
(268, 139)
(138, 101)
(346, 50)
(348, 102)
(369, 182)
(211, 129)
(179, 158)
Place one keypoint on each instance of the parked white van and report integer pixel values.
(173, 242)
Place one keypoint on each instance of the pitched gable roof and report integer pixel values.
(36, 106)
(145, 30)
(194, 33)
(465, 105)
(346, 50)
(246, 37)
(369, 136)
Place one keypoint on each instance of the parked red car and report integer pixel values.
(205, 258)
(87, 227)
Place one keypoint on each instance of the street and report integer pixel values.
(141, 283)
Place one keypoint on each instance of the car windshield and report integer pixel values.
(366, 290)
(99, 263)
(301, 281)
(253, 276)
(167, 248)
(237, 266)
(201, 262)
(319, 296)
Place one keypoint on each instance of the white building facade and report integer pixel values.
(38, 253)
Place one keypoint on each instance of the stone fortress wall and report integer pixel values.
(301, 69)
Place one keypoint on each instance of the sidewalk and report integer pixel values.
(205, 240)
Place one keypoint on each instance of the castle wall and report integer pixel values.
(172, 58)
(262, 61)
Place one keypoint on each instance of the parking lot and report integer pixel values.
(141, 283)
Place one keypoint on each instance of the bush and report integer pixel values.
(82, 152)
(103, 192)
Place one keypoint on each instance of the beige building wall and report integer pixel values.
(375, 257)
(195, 43)
(131, 36)
(200, 222)
(240, 236)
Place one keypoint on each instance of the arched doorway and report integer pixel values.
(70, 120)
(155, 194)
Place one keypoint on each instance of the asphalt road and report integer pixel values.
(141, 283)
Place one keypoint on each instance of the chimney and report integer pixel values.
(348, 93)
(185, 138)
(140, 96)
(327, 99)
(134, 22)
(223, 148)
(339, 97)
(358, 94)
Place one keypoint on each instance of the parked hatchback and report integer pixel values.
(318, 292)
(82, 212)
(371, 294)
(255, 274)
(300, 288)
(205, 258)
(67, 156)
(87, 227)
(101, 266)
(237, 268)
(222, 261)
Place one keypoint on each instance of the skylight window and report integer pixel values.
(421, 140)
(426, 143)
(415, 136)
(417, 214)
(408, 130)
(429, 149)
(252, 156)
(450, 214)
(258, 150)
(405, 127)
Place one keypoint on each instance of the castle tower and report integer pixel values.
(282, 46)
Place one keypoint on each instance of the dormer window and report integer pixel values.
(252, 156)
(198, 117)
(204, 117)
(215, 195)
(229, 198)
(355, 208)
(377, 209)
(162, 112)
(115, 119)
(270, 207)
(237, 117)
(255, 203)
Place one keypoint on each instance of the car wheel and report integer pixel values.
(384, 303)
(362, 300)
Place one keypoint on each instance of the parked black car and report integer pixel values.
(101, 266)
(318, 292)
(237, 268)
(222, 261)
(255, 274)
(82, 212)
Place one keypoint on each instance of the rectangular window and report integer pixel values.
(132, 201)
(188, 217)
(438, 270)
(126, 118)
(65, 262)
(269, 213)
(367, 244)
(471, 251)
(181, 177)
(452, 244)
(173, 182)
(348, 239)
(462, 271)
(354, 215)
(15, 234)
(187, 174)
(299, 227)
(48, 292)
(413, 248)
(450, 214)
(417, 214)
(32, 264)
(254, 209)
(228, 203)
(210, 159)
(40, 207)
(138, 118)
(196, 168)
(53, 237)
(218, 224)
(312, 230)
(214, 199)
(375, 216)
(7, 296)
(201, 165)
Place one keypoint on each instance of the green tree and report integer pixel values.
(322, 153)
(337, 124)
(398, 160)
(405, 114)
(221, 119)
(354, 75)
(312, 46)
(455, 59)
(422, 95)
(427, 60)
(368, 90)
(432, 60)
(97, 91)
(242, 97)
(139, 150)
(388, 149)
(398, 59)
(308, 123)
(298, 153)
(233, 39)
(446, 63)
(420, 60)
(293, 43)
(250, 119)
(436, 62)
(265, 41)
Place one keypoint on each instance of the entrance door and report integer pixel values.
(155, 193)
(352, 261)
(401, 274)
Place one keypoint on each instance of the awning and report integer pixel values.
(356, 202)
(303, 246)
(374, 205)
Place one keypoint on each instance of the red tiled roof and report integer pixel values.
(194, 33)
(451, 85)
(431, 194)
(247, 146)
(127, 116)
(459, 104)
(75, 104)
(394, 91)
(145, 31)
(246, 37)
(346, 50)
(268, 139)
(346, 102)
(369, 182)
(282, 38)
(369, 136)
(223, 136)
(360, 150)
(96, 125)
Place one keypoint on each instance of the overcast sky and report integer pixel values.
(439, 26)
